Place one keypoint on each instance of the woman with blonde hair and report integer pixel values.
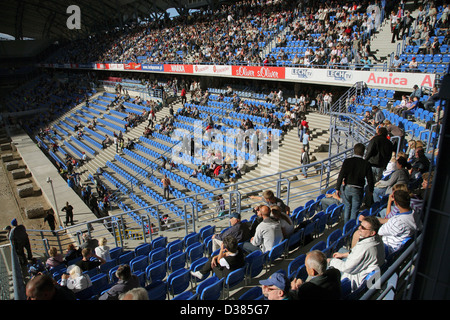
(75, 280)
(55, 258)
(102, 250)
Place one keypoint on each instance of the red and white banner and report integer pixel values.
(216, 70)
(116, 66)
(179, 68)
(132, 66)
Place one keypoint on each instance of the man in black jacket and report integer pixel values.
(354, 174)
(379, 152)
(237, 229)
(127, 281)
(322, 283)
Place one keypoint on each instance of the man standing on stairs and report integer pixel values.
(407, 21)
(166, 186)
(304, 160)
(183, 96)
(305, 140)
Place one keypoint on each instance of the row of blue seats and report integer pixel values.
(119, 185)
(134, 181)
(111, 125)
(83, 146)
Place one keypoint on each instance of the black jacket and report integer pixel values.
(327, 286)
(379, 151)
(355, 171)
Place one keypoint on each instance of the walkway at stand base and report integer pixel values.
(41, 169)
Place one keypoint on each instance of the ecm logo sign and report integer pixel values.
(74, 21)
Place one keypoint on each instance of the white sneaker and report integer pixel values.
(197, 274)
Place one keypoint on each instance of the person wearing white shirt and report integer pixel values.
(366, 255)
(401, 226)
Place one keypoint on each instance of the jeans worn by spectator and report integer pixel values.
(352, 198)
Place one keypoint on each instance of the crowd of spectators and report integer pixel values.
(337, 33)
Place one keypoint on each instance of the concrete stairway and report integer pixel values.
(381, 40)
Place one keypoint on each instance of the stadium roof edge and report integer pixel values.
(47, 19)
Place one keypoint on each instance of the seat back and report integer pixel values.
(254, 293)
(255, 263)
(321, 245)
(195, 251)
(213, 291)
(333, 237)
(157, 290)
(176, 260)
(191, 238)
(160, 242)
(125, 257)
(158, 254)
(295, 264)
(156, 271)
(143, 249)
(206, 231)
(174, 246)
(139, 263)
(277, 251)
(178, 281)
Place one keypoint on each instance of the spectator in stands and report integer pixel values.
(323, 283)
(379, 152)
(239, 230)
(410, 110)
(420, 163)
(102, 250)
(139, 293)
(417, 92)
(276, 287)
(368, 117)
(396, 64)
(75, 280)
(399, 176)
(330, 199)
(401, 226)
(72, 253)
(432, 99)
(395, 131)
(86, 263)
(365, 256)
(378, 116)
(55, 258)
(44, 287)
(412, 66)
(287, 226)
(268, 232)
(166, 187)
(126, 281)
(354, 174)
(390, 210)
(88, 242)
(435, 46)
(269, 199)
(230, 258)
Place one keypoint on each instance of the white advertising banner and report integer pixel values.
(116, 66)
(213, 70)
(380, 79)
